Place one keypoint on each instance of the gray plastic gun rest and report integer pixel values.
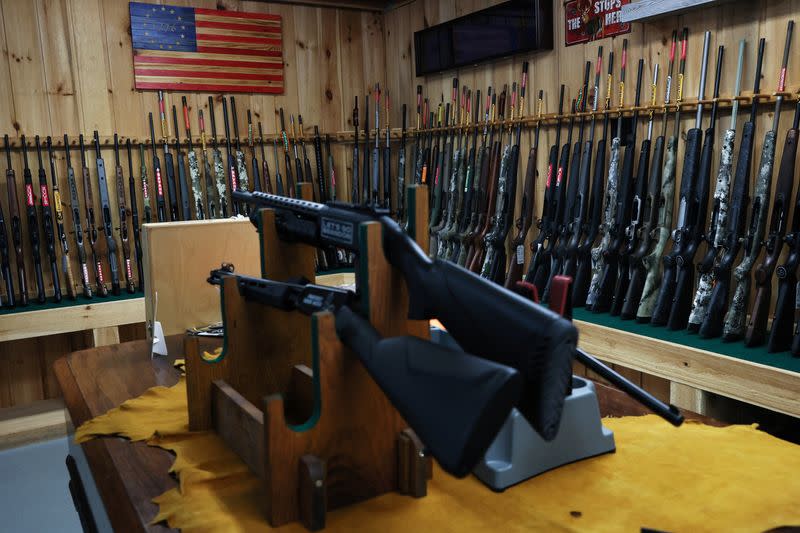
(519, 453)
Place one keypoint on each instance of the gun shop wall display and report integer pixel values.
(425, 240)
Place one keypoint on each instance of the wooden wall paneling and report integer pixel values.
(306, 46)
(353, 84)
(7, 113)
(92, 62)
(19, 359)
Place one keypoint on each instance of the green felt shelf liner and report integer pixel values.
(67, 302)
(758, 354)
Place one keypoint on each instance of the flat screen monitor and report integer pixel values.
(499, 31)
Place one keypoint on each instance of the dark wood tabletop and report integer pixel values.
(129, 475)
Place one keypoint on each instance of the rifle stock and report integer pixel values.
(780, 336)
(517, 262)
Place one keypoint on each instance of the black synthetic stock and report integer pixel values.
(540, 259)
(583, 272)
(578, 218)
(455, 402)
(780, 337)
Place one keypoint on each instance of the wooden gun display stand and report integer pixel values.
(294, 403)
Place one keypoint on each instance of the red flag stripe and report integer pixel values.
(240, 51)
(235, 14)
(210, 88)
(237, 26)
(205, 62)
(208, 74)
(237, 39)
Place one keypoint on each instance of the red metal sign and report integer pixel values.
(589, 20)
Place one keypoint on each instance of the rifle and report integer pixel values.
(286, 160)
(253, 158)
(376, 151)
(616, 260)
(686, 206)
(233, 176)
(583, 258)
(306, 161)
(186, 211)
(737, 218)
(735, 319)
(297, 163)
(219, 167)
(321, 179)
(577, 222)
(474, 159)
(492, 179)
(77, 229)
(265, 165)
(278, 178)
(148, 215)
(693, 237)
(16, 228)
(540, 343)
(33, 223)
(137, 241)
(641, 188)
(387, 162)
(547, 221)
(366, 178)
(123, 219)
(5, 262)
(169, 163)
(439, 158)
(455, 401)
(419, 139)
(207, 172)
(47, 223)
(160, 201)
(242, 180)
(401, 172)
(524, 222)
(105, 207)
(91, 228)
(443, 177)
(757, 327)
(66, 266)
(194, 165)
(331, 168)
(714, 237)
(356, 190)
(455, 195)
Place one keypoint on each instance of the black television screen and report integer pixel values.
(499, 31)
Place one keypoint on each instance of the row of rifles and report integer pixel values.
(195, 189)
(609, 228)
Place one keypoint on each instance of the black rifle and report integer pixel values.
(16, 236)
(616, 261)
(242, 180)
(194, 165)
(264, 164)
(387, 162)
(186, 211)
(77, 228)
(464, 165)
(169, 163)
(148, 217)
(693, 229)
(757, 327)
(322, 181)
(105, 208)
(537, 342)
(66, 266)
(366, 176)
(455, 195)
(161, 204)
(684, 231)
(524, 222)
(137, 239)
(578, 193)
(376, 151)
(583, 260)
(419, 140)
(309, 177)
(286, 160)
(737, 218)
(232, 171)
(278, 178)
(736, 319)
(33, 223)
(455, 402)
(331, 166)
(123, 219)
(253, 158)
(438, 159)
(298, 165)
(401, 171)
(47, 223)
(472, 162)
(219, 166)
(355, 190)
(547, 222)
(5, 263)
(91, 227)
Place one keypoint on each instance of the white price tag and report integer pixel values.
(520, 254)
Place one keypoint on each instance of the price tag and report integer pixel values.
(520, 254)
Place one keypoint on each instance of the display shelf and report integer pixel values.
(642, 10)
(767, 380)
(97, 315)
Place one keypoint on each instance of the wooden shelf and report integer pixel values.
(754, 383)
(93, 315)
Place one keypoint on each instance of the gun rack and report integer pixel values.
(293, 403)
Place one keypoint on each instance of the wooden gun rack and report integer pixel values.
(294, 403)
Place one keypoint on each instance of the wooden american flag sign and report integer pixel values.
(193, 49)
